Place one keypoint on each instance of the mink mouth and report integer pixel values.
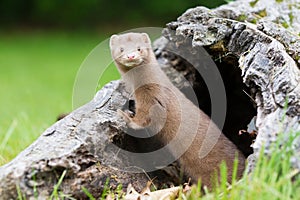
(132, 63)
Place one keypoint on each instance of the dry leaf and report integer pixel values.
(146, 194)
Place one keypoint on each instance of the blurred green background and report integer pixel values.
(91, 13)
(42, 45)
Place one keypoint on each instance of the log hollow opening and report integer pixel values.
(241, 108)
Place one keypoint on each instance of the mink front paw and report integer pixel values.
(128, 118)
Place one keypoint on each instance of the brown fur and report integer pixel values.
(161, 107)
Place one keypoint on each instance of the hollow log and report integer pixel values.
(261, 38)
(255, 46)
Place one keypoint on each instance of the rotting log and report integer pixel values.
(85, 145)
(255, 45)
(261, 38)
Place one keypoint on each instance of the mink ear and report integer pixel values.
(146, 38)
(112, 40)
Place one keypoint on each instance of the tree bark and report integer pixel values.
(264, 36)
(255, 45)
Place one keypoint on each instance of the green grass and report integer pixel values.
(37, 73)
(273, 178)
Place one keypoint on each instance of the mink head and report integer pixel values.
(130, 49)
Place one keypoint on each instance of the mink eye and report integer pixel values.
(121, 49)
(139, 48)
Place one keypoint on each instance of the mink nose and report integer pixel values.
(130, 56)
